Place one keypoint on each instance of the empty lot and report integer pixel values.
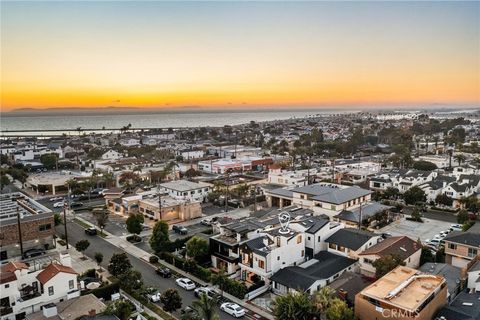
(415, 230)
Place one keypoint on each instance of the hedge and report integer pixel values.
(189, 266)
(153, 259)
(104, 292)
(171, 246)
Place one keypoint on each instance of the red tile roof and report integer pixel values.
(52, 270)
(13, 266)
(6, 277)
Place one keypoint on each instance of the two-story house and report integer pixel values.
(462, 248)
(351, 242)
(404, 247)
(25, 290)
(268, 253)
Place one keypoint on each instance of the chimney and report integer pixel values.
(49, 310)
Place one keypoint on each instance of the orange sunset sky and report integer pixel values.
(248, 54)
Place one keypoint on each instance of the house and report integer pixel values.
(403, 293)
(26, 289)
(296, 178)
(322, 198)
(186, 190)
(462, 248)
(311, 275)
(404, 247)
(112, 155)
(453, 275)
(365, 213)
(350, 242)
(316, 230)
(170, 209)
(274, 249)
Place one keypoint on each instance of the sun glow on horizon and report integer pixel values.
(249, 54)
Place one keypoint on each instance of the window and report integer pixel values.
(318, 239)
(261, 264)
(452, 246)
(302, 196)
(308, 238)
(71, 284)
(333, 207)
(7, 286)
(303, 253)
(44, 227)
(472, 252)
(50, 291)
(278, 258)
(299, 239)
(332, 246)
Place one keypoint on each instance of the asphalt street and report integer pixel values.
(98, 244)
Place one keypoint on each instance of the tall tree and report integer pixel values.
(171, 300)
(197, 248)
(119, 264)
(339, 310)
(159, 236)
(322, 298)
(82, 245)
(134, 223)
(386, 264)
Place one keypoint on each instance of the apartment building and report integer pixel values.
(403, 293)
(24, 224)
(296, 178)
(186, 190)
(26, 290)
(404, 247)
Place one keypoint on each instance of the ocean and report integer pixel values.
(26, 124)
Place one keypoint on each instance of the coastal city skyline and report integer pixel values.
(239, 54)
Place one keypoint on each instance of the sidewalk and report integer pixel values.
(143, 255)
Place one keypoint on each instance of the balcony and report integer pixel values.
(5, 311)
(29, 296)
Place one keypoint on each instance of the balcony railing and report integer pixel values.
(29, 296)
(5, 310)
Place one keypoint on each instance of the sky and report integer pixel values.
(239, 54)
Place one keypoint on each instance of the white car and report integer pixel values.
(434, 242)
(456, 227)
(55, 199)
(233, 309)
(58, 204)
(155, 297)
(210, 292)
(185, 283)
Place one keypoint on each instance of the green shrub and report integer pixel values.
(91, 273)
(153, 259)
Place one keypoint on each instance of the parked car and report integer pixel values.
(232, 309)
(210, 292)
(185, 283)
(155, 297)
(206, 222)
(456, 227)
(76, 204)
(91, 231)
(58, 204)
(33, 253)
(433, 242)
(386, 235)
(53, 199)
(180, 229)
(164, 272)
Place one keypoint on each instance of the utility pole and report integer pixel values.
(160, 202)
(65, 223)
(19, 229)
(226, 191)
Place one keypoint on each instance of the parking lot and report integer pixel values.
(415, 230)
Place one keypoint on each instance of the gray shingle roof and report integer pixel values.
(327, 265)
(350, 238)
(468, 238)
(368, 211)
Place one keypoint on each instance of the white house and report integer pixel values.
(265, 255)
(112, 155)
(186, 190)
(25, 290)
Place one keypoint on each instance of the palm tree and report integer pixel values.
(206, 307)
(322, 298)
(460, 158)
